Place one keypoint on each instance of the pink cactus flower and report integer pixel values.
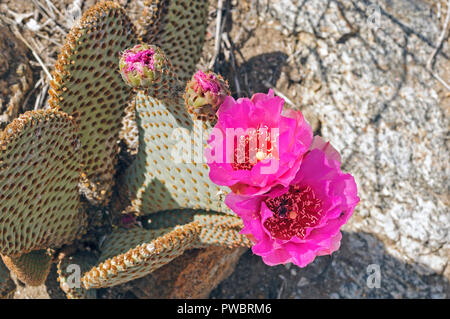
(303, 220)
(205, 92)
(255, 145)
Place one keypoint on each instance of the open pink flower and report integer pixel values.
(255, 146)
(303, 220)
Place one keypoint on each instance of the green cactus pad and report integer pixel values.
(179, 28)
(32, 268)
(7, 285)
(215, 229)
(159, 178)
(87, 85)
(135, 253)
(39, 174)
(81, 261)
(163, 85)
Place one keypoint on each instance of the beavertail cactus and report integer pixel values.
(39, 205)
(134, 253)
(137, 252)
(47, 158)
(106, 78)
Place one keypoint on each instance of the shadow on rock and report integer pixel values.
(258, 74)
(348, 273)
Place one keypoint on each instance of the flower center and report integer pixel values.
(293, 212)
(257, 144)
(207, 82)
(142, 58)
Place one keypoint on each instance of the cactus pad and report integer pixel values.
(179, 28)
(215, 229)
(39, 174)
(87, 86)
(32, 268)
(164, 176)
(135, 253)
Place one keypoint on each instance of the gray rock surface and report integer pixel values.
(362, 268)
(365, 87)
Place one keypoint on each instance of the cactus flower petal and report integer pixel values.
(303, 220)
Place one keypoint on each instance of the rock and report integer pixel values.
(361, 268)
(383, 110)
(191, 276)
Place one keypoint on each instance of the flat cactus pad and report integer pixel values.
(39, 175)
(169, 171)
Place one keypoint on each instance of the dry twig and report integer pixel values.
(218, 39)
